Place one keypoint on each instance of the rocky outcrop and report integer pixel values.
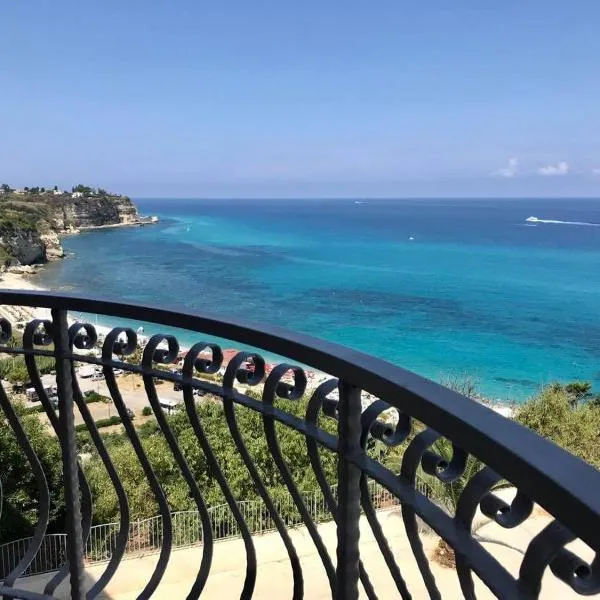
(22, 246)
(29, 233)
(52, 246)
(81, 213)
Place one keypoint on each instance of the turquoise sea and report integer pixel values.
(441, 287)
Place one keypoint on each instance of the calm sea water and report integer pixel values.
(442, 287)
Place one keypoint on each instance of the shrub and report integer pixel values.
(100, 423)
(556, 413)
(90, 397)
(146, 411)
(33, 409)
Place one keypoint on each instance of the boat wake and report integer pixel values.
(553, 222)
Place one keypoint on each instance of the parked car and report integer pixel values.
(97, 376)
(118, 372)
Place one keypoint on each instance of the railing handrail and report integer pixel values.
(538, 467)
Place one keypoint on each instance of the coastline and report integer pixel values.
(19, 281)
(10, 280)
(141, 222)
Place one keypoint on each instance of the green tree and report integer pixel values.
(20, 509)
(6, 188)
(555, 415)
(210, 413)
(84, 189)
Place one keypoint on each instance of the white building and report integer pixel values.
(57, 192)
(20, 191)
(77, 195)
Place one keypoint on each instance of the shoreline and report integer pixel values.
(10, 280)
(142, 222)
(20, 281)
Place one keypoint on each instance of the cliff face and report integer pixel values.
(92, 212)
(24, 246)
(30, 225)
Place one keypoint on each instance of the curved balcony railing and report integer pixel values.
(423, 413)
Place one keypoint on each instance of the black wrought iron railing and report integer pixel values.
(423, 414)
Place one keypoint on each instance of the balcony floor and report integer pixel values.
(274, 579)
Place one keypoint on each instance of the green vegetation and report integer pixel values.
(91, 397)
(15, 214)
(146, 411)
(566, 414)
(211, 415)
(14, 370)
(21, 495)
(569, 416)
(100, 423)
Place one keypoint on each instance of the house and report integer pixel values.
(20, 191)
(57, 192)
(77, 195)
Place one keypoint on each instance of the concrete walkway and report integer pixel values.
(274, 580)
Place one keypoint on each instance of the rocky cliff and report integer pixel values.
(30, 224)
(81, 213)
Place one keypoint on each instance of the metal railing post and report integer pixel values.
(348, 514)
(66, 423)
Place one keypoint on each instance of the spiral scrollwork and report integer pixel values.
(83, 336)
(547, 548)
(121, 341)
(155, 354)
(382, 430)
(276, 387)
(38, 333)
(247, 368)
(196, 360)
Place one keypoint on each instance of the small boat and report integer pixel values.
(532, 219)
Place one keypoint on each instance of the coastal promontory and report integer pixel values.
(32, 219)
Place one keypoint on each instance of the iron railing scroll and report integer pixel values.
(424, 413)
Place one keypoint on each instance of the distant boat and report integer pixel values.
(411, 238)
(532, 219)
(358, 202)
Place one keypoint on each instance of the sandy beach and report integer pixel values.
(17, 281)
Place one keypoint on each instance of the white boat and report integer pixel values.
(532, 219)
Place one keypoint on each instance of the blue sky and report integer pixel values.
(311, 98)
